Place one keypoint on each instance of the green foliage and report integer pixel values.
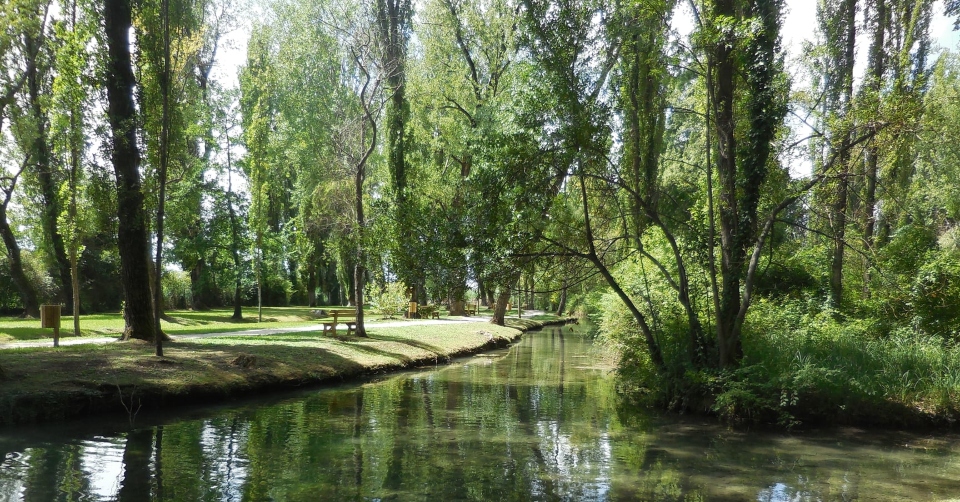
(176, 289)
(802, 365)
(391, 301)
(935, 296)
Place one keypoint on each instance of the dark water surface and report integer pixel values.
(537, 421)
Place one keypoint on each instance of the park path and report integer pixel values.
(66, 341)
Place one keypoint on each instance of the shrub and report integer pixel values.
(391, 301)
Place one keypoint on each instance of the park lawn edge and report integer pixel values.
(86, 380)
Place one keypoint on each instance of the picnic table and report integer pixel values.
(340, 316)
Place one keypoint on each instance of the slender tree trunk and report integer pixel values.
(162, 172)
(842, 93)
(358, 274)
(312, 287)
(482, 292)
(839, 239)
(731, 262)
(28, 295)
(871, 162)
(44, 173)
(74, 237)
(234, 236)
(742, 166)
(131, 224)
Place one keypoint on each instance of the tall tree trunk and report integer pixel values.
(840, 96)
(482, 292)
(839, 237)
(731, 263)
(196, 287)
(131, 224)
(358, 270)
(44, 172)
(741, 180)
(74, 238)
(165, 80)
(871, 162)
(234, 236)
(312, 287)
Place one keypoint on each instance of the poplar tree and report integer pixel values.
(131, 225)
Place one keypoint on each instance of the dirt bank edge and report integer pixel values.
(71, 394)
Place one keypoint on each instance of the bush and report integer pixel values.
(391, 301)
(936, 296)
(808, 366)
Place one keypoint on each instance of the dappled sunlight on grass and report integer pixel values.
(222, 365)
(176, 322)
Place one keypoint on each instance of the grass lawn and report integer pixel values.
(43, 383)
(180, 322)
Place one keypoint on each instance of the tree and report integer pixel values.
(366, 87)
(466, 106)
(22, 17)
(131, 228)
(837, 21)
(70, 97)
(39, 75)
(257, 117)
(28, 293)
(742, 169)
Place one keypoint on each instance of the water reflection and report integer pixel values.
(535, 422)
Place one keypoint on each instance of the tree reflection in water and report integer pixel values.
(535, 422)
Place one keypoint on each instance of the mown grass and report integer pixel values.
(177, 322)
(51, 384)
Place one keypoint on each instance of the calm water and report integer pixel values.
(539, 421)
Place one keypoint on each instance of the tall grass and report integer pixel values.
(811, 366)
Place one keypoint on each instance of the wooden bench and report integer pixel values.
(340, 316)
(470, 312)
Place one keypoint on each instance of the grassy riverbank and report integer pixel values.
(177, 322)
(44, 384)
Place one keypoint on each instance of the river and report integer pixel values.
(537, 421)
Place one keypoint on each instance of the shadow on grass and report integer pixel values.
(38, 333)
(215, 317)
(358, 344)
(300, 356)
(414, 343)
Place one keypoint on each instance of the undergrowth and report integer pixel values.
(804, 366)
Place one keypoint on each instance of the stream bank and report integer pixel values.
(44, 385)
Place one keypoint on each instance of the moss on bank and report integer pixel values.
(124, 377)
